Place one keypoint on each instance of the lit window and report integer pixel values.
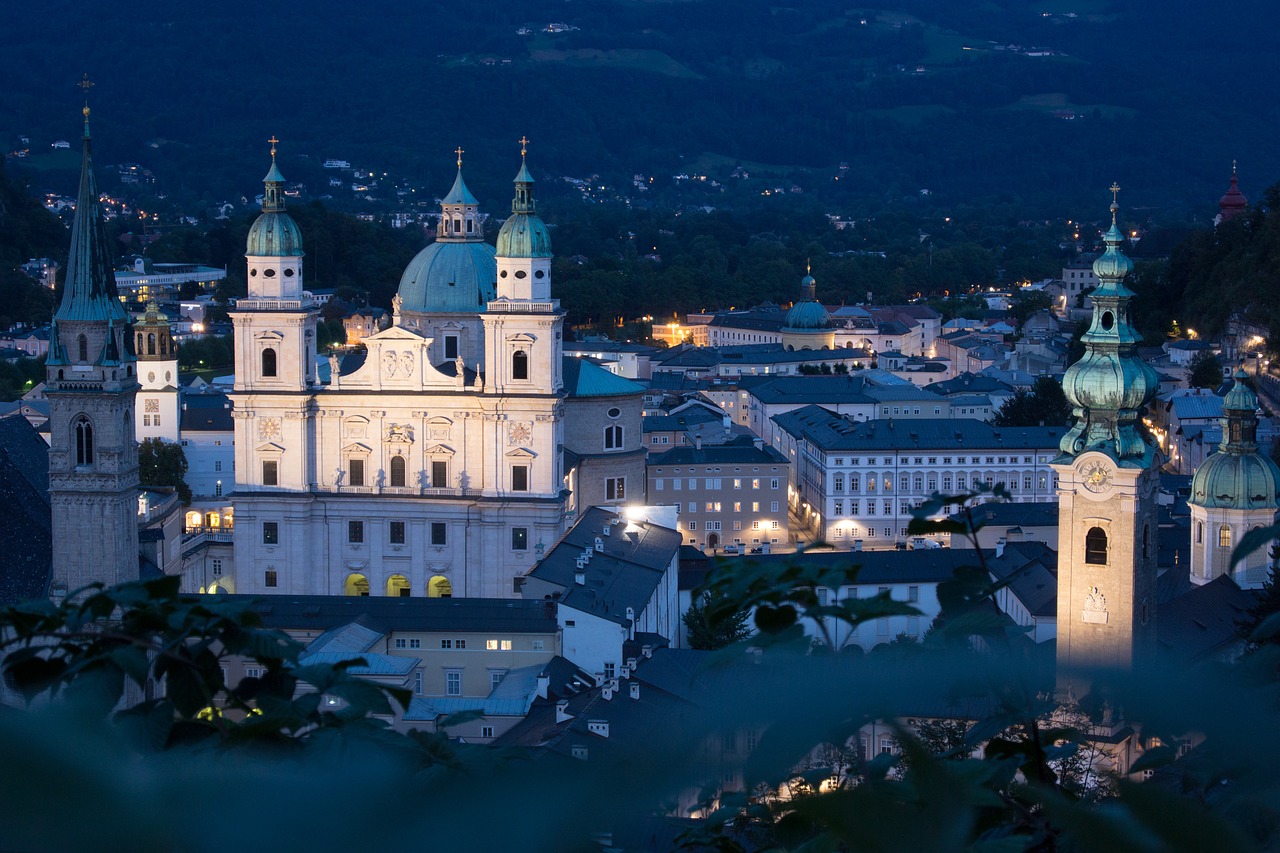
(1224, 536)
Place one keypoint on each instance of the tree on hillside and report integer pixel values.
(162, 463)
(1045, 404)
(1206, 370)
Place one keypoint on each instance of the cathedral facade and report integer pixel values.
(432, 464)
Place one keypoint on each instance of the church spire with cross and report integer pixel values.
(91, 385)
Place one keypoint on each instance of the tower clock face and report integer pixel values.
(1096, 476)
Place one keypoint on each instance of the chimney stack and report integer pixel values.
(635, 690)
(562, 711)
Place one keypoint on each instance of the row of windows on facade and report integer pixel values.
(737, 525)
(933, 460)
(151, 348)
(397, 474)
(450, 643)
(1224, 534)
(397, 534)
(718, 506)
(716, 483)
(929, 483)
(519, 360)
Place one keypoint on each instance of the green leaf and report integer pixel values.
(774, 620)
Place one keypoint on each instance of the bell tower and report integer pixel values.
(1107, 480)
(91, 384)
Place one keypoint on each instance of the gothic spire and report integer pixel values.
(89, 291)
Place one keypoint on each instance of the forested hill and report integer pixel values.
(1041, 105)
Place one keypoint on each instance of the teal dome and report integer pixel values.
(1110, 381)
(1236, 481)
(807, 316)
(274, 235)
(1113, 263)
(450, 278)
(1240, 397)
(524, 235)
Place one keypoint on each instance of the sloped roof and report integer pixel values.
(26, 526)
(738, 452)
(830, 431)
(584, 379)
(386, 613)
(1202, 622)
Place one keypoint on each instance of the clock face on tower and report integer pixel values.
(1096, 476)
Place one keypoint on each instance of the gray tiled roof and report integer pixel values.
(829, 431)
(26, 524)
(814, 389)
(1203, 621)
(739, 452)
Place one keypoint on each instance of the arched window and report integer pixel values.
(1095, 546)
(1224, 536)
(397, 471)
(1199, 532)
(84, 348)
(613, 437)
(1146, 541)
(151, 343)
(268, 362)
(139, 349)
(84, 441)
(520, 364)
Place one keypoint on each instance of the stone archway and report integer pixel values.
(398, 587)
(439, 587)
(356, 584)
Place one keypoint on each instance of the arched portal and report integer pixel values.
(357, 584)
(398, 586)
(713, 540)
(439, 587)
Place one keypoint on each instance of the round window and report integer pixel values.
(253, 273)
(539, 274)
(502, 274)
(288, 272)
(521, 274)
(1108, 320)
(269, 273)
(151, 377)
(615, 412)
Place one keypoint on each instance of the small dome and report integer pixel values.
(1236, 481)
(524, 235)
(450, 278)
(1113, 264)
(807, 315)
(274, 235)
(1241, 397)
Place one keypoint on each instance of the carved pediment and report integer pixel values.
(357, 448)
(270, 447)
(521, 453)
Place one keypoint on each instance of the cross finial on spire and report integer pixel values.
(86, 84)
(273, 142)
(459, 151)
(524, 146)
(1233, 168)
(1115, 202)
(808, 266)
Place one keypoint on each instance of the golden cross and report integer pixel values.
(808, 266)
(273, 142)
(524, 146)
(86, 84)
(1115, 192)
(459, 151)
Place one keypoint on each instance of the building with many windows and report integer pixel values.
(431, 464)
(727, 494)
(856, 481)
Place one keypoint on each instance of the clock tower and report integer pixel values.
(1107, 479)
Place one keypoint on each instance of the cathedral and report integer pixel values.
(433, 463)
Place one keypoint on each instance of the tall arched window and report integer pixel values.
(1095, 546)
(397, 471)
(613, 437)
(1224, 536)
(268, 362)
(84, 348)
(151, 343)
(520, 364)
(1146, 541)
(84, 441)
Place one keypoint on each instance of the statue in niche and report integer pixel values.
(1095, 600)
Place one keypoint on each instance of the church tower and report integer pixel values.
(1233, 202)
(93, 457)
(523, 324)
(275, 347)
(158, 374)
(1234, 491)
(1107, 481)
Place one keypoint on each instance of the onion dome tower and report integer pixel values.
(1107, 474)
(1233, 491)
(91, 387)
(1233, 202)
(446, 286)
(808, 325)
(274, 247)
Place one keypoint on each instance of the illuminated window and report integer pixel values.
(1224, 536)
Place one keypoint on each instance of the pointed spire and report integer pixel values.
(1233, 202)
(523, 202)
(89, 291)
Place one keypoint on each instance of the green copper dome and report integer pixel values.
(274, 233)
(450, 278)
(808, 314)
(524, 234)
(1110, 385)
(1238, 476)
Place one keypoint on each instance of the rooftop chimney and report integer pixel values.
(635, 690)
(544, 685)
(562, 711)
(580, 577)
(1000, 547)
